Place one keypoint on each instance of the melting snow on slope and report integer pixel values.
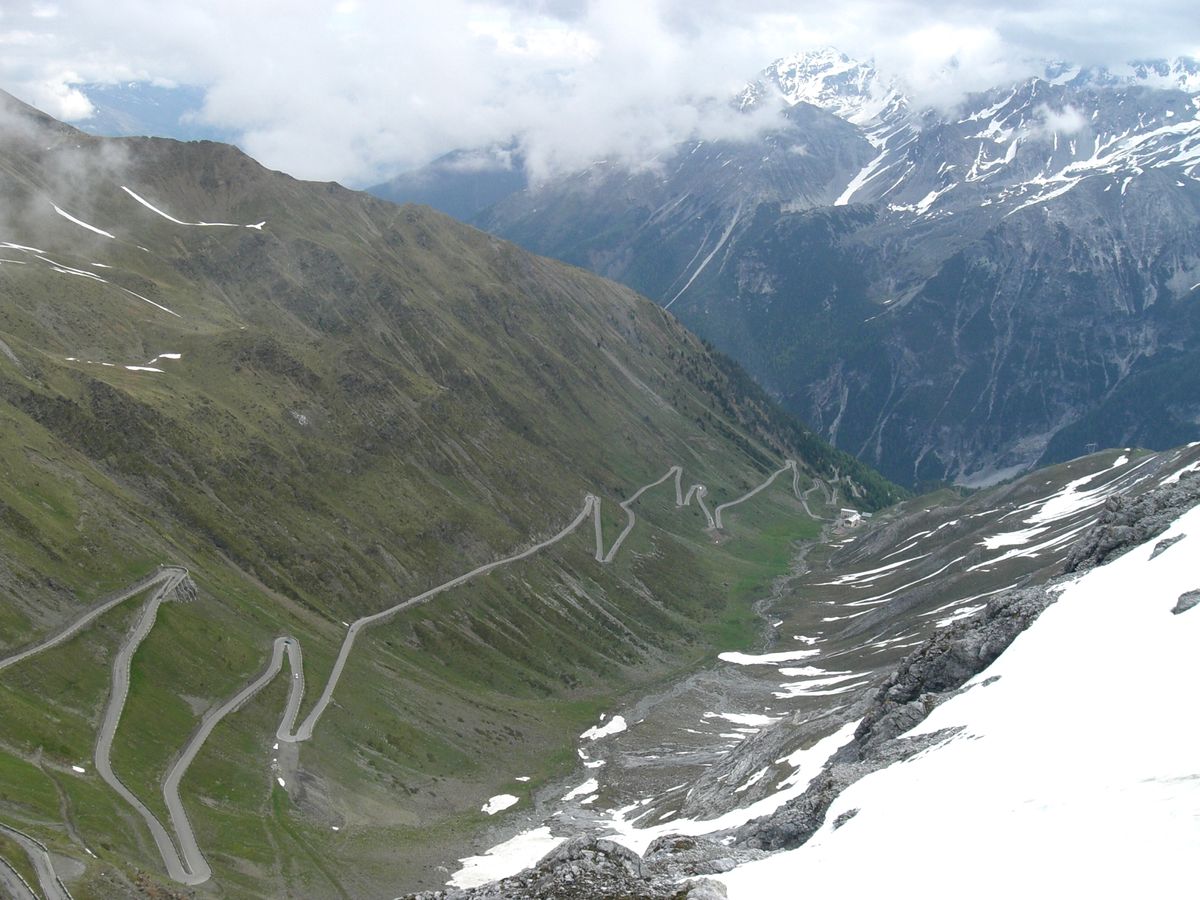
(751, 719)
(1091, 781)
(821, 687)
(765, 659)
(615, 726)
(963, 613)
(1071, 500)
(64, 269)
(505, 859)
(806, 763)
(527, 848)
(170, 218)
(871, 574)
(588, 787)
(1174, 477)
(499, 803)
(1011, 538)
(1062, 504)
(149, 367)
(868, 172)
(70, 218)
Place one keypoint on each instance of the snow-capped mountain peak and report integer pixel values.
(1181, 73)
(831, 80)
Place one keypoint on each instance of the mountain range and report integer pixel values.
(950, 294)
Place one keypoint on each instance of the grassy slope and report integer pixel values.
(370, 400)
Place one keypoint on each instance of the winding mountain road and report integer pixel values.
(790, 464)
(185, 863)
(48, 880)
(196, 870)
(73, 628)
(12, 884)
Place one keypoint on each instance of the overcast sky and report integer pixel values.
(354, 90)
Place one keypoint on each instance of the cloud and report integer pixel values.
(356, 90)
(1067, 120)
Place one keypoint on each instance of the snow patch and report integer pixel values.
(963, 613)
(1174, 477)
(505, 859)
(766, 659)
(807, 765)
(499, 803)
(588, 787)
(70, 218)
(755, 719)
(154, 209)
(872, 574)
(1011, 538)
(615, 726)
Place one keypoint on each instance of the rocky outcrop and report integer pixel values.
(590, 868)
(927, 678)
(1126, 522)
(1187, 601)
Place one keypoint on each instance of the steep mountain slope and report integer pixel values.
(1060, 785)
(947, 294)
(316, 407)
(661, 228)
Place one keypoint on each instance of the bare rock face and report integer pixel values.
(583, 868)
(1186, 601)
(1127, 522)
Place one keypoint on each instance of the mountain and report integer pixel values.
(954, 295)
(323, 519)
